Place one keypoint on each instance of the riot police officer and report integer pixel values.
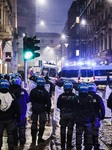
(84, 118)
(66, 104)
(41, 104)
(9, 113)
(22, 100)
(99, 110)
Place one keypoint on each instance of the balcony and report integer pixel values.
(5, 32)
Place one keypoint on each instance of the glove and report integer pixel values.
(22, 119)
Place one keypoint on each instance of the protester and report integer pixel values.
(22, 100)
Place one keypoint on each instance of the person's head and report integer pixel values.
(59, 82)
(4, 85)
(83, 89)
(16, 84)
(33, 78)
(92, 88)
(40, 82)
(16, 81)
(1, 76)
(7, 77)
(68, 86)
(46, 78)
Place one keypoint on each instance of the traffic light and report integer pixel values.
(36, 47)
(30, 48)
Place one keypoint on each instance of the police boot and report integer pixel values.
(41, 132)
(33, 144)
(69, 142)
(33, 134)
(63, 141)
(40, 140)
(22, 135)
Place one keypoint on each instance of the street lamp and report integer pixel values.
(42, 23)
(41, 2)
(83, 22)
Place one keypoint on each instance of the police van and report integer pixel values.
(77, 73)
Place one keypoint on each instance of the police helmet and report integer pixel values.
(4, 84)
(16, 81)
(92, 87)
(68, 85)
(59, 82)
(83, 88)
(40, 81)
(1, 76)
(18, 75)
(33, 78)
(13, 75)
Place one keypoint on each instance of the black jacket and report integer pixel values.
(40, 100)
(84, 110)
(66, 102)
(99, 107)
(109, 101)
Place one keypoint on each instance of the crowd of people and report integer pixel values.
(84, 110)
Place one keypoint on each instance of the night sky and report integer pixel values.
(54, 13)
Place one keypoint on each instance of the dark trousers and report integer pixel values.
(19, 133)
(10, 126)
(41, 119)
(87, 131)
(67, 123)
(95, 134)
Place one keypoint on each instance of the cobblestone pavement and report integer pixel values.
(55, 144)
(104, 137)
(46, 136)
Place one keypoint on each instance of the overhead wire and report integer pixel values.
(80, 15)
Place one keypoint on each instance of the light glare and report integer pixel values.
(41, 2)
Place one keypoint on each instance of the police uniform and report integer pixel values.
(22, 100)
(66, 104)
(41, 104)
(99, 111)
(84, 118)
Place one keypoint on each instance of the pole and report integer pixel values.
(25, 74)
(61, 55)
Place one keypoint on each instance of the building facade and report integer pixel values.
(94, 39)
(8, 26)
(26, 22)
